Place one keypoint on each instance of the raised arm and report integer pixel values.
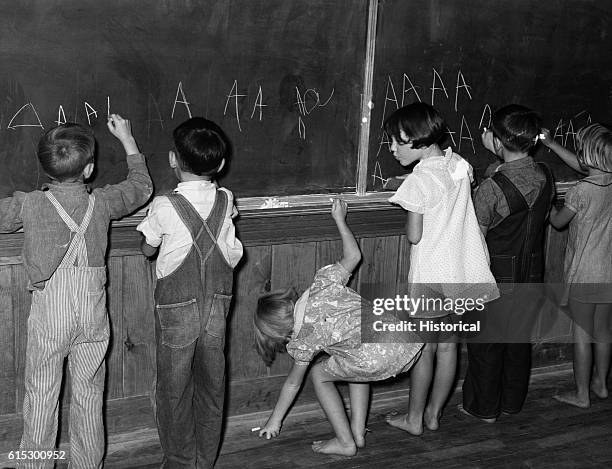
(290, 388)
(567, 156)
(351, 255)
(126, 196)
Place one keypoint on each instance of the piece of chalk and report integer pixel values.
(254, 429)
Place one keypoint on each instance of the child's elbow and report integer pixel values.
(414, 238)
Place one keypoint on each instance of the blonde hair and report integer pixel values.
(273, 323)
(595, 147)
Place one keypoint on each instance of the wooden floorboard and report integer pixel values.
(547, 434)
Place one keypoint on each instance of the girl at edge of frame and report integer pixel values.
(587, 211)
(327, 318)
(448, 256)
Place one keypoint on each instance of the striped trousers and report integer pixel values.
(67, 319)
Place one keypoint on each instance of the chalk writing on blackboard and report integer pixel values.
(233, 94)
(305, 103)
(183, 100)
(258, 104)
(93, 112)
(27, 105)
(61, 115)
(564, 131)
(434, 87)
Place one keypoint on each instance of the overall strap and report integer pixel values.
(197, 226)
(516, 200)
(547, 192)
(77, 250)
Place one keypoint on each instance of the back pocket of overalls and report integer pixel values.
(93, 316)
(215, 325)
(180, 323)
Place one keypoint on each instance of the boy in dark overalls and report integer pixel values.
(64, 253)
(512, 207)
(198, 250)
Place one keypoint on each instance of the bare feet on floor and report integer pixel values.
(334, 446)
(359, 436)
(463, 411)
(401, 421)
(599, 388)
(432, 419)
(572, 398)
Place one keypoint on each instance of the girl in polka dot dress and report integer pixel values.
(448, 257)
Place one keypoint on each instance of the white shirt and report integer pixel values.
(163, 228)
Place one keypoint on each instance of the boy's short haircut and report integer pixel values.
(200, 146)
(595, 147)
(65, 150)
(422, 124)
(517, 127)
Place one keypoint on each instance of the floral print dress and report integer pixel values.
(328, 319)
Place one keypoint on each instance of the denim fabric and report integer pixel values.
(46, 236)
(190, 318)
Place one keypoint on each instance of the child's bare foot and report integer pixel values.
(431, 419)
(359, 436)
(401, 421)
(334, 446)
(599, 388)
(465, 412)
(572, 398)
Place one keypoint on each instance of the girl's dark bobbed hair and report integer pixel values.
(421, 123)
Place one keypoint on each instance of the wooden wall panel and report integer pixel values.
(115, 355)
(22, 299)
(251, 280)
(138, 334)
(7, 343)
(293, 265)
(379, 271)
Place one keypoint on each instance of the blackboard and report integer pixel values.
(477, 55)
(282, 77)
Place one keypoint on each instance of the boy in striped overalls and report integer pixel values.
(198, 249)
(65, 239)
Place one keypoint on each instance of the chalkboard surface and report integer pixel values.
(469, 57)
(282, 77)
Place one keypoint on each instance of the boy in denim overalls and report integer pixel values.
(65, 239)
(198, 249)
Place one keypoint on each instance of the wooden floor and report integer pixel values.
(547, 434)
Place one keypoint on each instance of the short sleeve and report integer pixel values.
(303, 348)
(334, 273)
(485, 201)
(574, 198)
(418, 193)
(151, 226)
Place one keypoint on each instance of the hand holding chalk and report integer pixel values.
(270, 430)
(545, 137)
(122, 129)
